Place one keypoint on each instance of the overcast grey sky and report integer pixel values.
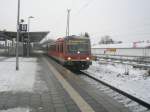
(125, 20)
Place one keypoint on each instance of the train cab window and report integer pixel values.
(82, 47)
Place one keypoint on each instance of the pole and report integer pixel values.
(28, 37)
(67, 26)
(17, 39)
(28, 43)
(68, 20)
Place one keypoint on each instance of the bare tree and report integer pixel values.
(87, 34)
(106, 40)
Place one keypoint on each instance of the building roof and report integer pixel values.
(123, 45)
(34, 36)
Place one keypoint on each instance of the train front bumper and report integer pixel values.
(72, 63)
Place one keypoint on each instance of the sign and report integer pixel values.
(23, 27)
(111, 49)
(78, 41)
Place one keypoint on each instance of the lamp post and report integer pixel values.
(28, 47)
(17, 39)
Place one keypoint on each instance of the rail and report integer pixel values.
(140, 59)
(141, 102)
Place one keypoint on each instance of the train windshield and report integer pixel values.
(78, 46)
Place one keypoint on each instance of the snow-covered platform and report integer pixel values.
(38, 87)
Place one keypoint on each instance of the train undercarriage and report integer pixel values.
(77, 65)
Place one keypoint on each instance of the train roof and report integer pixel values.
(71, 37)
(75, 37)
(34, 36)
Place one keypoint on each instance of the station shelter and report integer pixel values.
(8, 42)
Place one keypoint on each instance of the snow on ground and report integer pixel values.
(16, 110)
(123, 45)
(22, 80)
(136, 83)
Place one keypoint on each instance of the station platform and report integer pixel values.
(58, 90)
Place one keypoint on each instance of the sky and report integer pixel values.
(123, 20)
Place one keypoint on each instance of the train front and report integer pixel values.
(78, 52)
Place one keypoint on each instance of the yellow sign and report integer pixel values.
(77, 41)
(111, 49)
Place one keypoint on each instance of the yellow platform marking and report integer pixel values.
(82, 104)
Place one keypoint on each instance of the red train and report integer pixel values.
(72, 51)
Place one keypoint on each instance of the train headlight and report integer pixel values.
(87, 58)
(69, 58)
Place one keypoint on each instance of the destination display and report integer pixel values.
(77, 41)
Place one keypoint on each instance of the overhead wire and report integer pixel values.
(85, 5)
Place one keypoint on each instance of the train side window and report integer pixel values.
(62, 47)
(57, 47)
(54, 49)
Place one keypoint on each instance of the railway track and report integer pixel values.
(134, 61)
(136, 65)
(133, 103)
(139, 59)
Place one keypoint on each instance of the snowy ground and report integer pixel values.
(22, 80)
(136, 83)
(17, 110)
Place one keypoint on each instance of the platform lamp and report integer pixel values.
(28, 48)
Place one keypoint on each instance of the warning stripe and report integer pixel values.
(81, 103)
